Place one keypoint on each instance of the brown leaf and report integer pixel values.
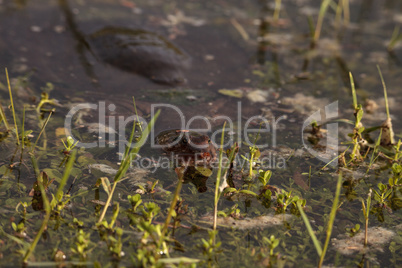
(298, 178)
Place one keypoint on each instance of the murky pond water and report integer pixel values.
(201, 63)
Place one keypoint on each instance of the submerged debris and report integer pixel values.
(377, 237)
(236, 93)
(258, 95)
(136, 175)
(305, 104)
(103, 168)
(99, 128)
(326, 48)
(278, 39)
(253, 95)
(387, 135)
(370, 106)
(250, 223)
(179, 17)
(139, 183)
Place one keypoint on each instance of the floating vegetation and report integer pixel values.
(246, 223)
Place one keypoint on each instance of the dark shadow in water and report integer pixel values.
(362, 17)
(344, 72)
(198, 175)
(394, 58)
(191, 174)
(82, 44)
(263, 30)
(21, 3)
(343, 67)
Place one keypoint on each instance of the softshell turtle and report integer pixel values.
(135, 50)
(142, 52)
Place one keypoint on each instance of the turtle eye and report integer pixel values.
(209, 140)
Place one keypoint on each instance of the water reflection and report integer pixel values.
(134, 50)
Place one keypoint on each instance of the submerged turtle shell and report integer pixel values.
(189, 146)
(142, 52)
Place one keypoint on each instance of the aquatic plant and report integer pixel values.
(127, 158)
(322, 251)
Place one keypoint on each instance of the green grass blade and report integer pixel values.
(35, 165)
(277, 9)
(323, 9)
(310, 230)
(42, 130)
(376, 146)
(311, 26)
(385, 91)
(44, 222)
(23, 128)
(218, 178)
(331, 219)
(352, 85)
(346, 11)
(394, 39)
(144, 136)
(172, 207)
(3, 118)
(125, 164)
(66, 174)
(12, 107)
(133, 131)
(136, 114)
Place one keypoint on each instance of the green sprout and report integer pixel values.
(286, 199)
(396, 179)
(70, 144)
(264, 176)
(272, 244)
(135, 201)
(210, 248)
(45, 100)
(382, 195)
(354, 230)
(254, 155)
(82, 242)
